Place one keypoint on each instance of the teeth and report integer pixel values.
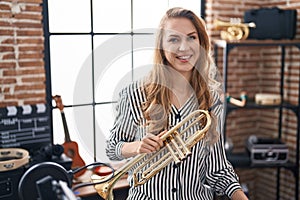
(184, 57)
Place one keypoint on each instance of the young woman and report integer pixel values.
(182, 80)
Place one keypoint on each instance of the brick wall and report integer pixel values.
(22, 73)
(258, 70)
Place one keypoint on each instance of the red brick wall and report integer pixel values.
(258, 70)
(22, 73)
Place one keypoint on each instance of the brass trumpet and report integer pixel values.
(233, 30)
(177, 146)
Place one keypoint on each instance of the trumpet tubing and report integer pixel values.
(178, 142)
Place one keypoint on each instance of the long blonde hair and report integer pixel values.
(157, 107)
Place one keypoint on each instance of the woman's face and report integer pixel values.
(181, 45)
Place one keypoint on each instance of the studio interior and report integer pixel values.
(64, 62)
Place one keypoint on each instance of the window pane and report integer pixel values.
(71, 68)
(69, 16)
(147, 14)
(105, 115)
(80, 126)
(112, 16)
(143, 46)
(112, 66)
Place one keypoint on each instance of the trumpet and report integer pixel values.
(178, 142)
(233, 30)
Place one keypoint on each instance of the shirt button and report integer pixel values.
(174, 190)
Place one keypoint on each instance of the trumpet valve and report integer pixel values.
(182, 144)
(173, 154)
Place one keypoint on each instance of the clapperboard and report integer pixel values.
(27, 127)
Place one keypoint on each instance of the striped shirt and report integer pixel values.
(202, 174)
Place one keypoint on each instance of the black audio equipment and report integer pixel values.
(27, 185)
(272, 23)
(47, 153)
(267, 150)
(9, 183)
(41, 181)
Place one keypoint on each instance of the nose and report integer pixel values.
(183, 46)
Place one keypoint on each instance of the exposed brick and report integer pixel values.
(6, 48)
(23, 72)
(6, 1)
(273, 4)
(31, 56)
(37, 47)
(34, 79)
(30, 32)
(33, 8)
(8, 80)
(7, 65)
(28, 25)
(8, 103)
(9, 56)
(8, 40)
(35, 101)
(36, 63)
(5, 15)
(24, 96)
(31, 1)
(5, 23)
(28, 16)
(5, 7)
(6, 89)
(30, 87)
(6, 32)
(32, 40)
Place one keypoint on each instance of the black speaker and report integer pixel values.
(47, 153)
(9, 183)
(27, 188)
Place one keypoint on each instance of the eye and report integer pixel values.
(192, 37)
(173, 40)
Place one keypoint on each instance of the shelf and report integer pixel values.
(253, 105)
(225, 44)
(243, 160)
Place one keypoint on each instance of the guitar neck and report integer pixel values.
(67, 134)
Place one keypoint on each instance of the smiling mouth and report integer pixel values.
(184, 58)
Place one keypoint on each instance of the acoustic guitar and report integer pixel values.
(70, 147)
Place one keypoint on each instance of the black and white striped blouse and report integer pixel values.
(202, 174)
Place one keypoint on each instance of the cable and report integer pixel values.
(89, 184)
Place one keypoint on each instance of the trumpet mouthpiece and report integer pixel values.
(252, 25)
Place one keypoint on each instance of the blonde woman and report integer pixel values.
(183, 79)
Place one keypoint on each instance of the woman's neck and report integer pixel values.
(181, 90)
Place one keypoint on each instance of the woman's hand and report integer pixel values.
(148, 144)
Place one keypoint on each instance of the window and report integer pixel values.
(95, 48)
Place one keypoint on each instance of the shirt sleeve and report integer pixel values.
(220, 173)
(123, 130)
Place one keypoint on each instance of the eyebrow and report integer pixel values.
(177, 35)
(194, 32)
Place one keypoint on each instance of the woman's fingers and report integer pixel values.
(150, 143)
